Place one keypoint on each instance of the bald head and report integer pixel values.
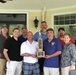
(29, 35)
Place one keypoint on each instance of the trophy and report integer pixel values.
(40, 52)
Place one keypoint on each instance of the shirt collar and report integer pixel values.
(51, 40)
(29, 42)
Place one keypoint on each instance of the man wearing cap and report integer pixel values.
(61, 32)
(23, 36)
(3, 37)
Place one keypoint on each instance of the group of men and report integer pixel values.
(22, 50)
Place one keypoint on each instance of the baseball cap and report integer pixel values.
(4, 26)
(61, 29)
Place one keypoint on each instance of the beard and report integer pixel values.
(24, 34)
(43, 30)
(61, 35)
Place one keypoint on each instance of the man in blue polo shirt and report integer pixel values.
(52, 48)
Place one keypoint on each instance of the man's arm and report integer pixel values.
(28, 55)
(53, 55)
(73, 57)
(6, 55)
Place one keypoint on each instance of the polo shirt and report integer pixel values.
(51, 48)
(36, 36)
(22, 38)
(31, 48)
(13, 47)
(2, 42)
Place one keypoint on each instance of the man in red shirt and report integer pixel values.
(61, 32)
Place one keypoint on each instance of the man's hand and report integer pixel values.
(33, 55)
(48, 56)
(9, 61)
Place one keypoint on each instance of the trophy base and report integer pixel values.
(41, 54)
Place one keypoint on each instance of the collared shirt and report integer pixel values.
(31, 48)
(68, 56)
(43, 36)
(51, 48)
(13, 47)
(2, 42)
(22, 38)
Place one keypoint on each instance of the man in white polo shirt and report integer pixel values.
(28, 51)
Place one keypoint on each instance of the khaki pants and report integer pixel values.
(51, 71)
(2, 66)
(65, 71)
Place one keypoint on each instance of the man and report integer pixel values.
(43, 36)
(3, 37)
(12, 54)
(23, 37)
(28, 51)
(61, 32)
(52, 48)
(43, 31)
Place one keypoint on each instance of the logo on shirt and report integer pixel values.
(53, 43)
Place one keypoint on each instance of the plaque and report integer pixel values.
(40, 52)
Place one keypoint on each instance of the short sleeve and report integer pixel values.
(36, 36)
(24, 49)
(7, 44)
(59, 46)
